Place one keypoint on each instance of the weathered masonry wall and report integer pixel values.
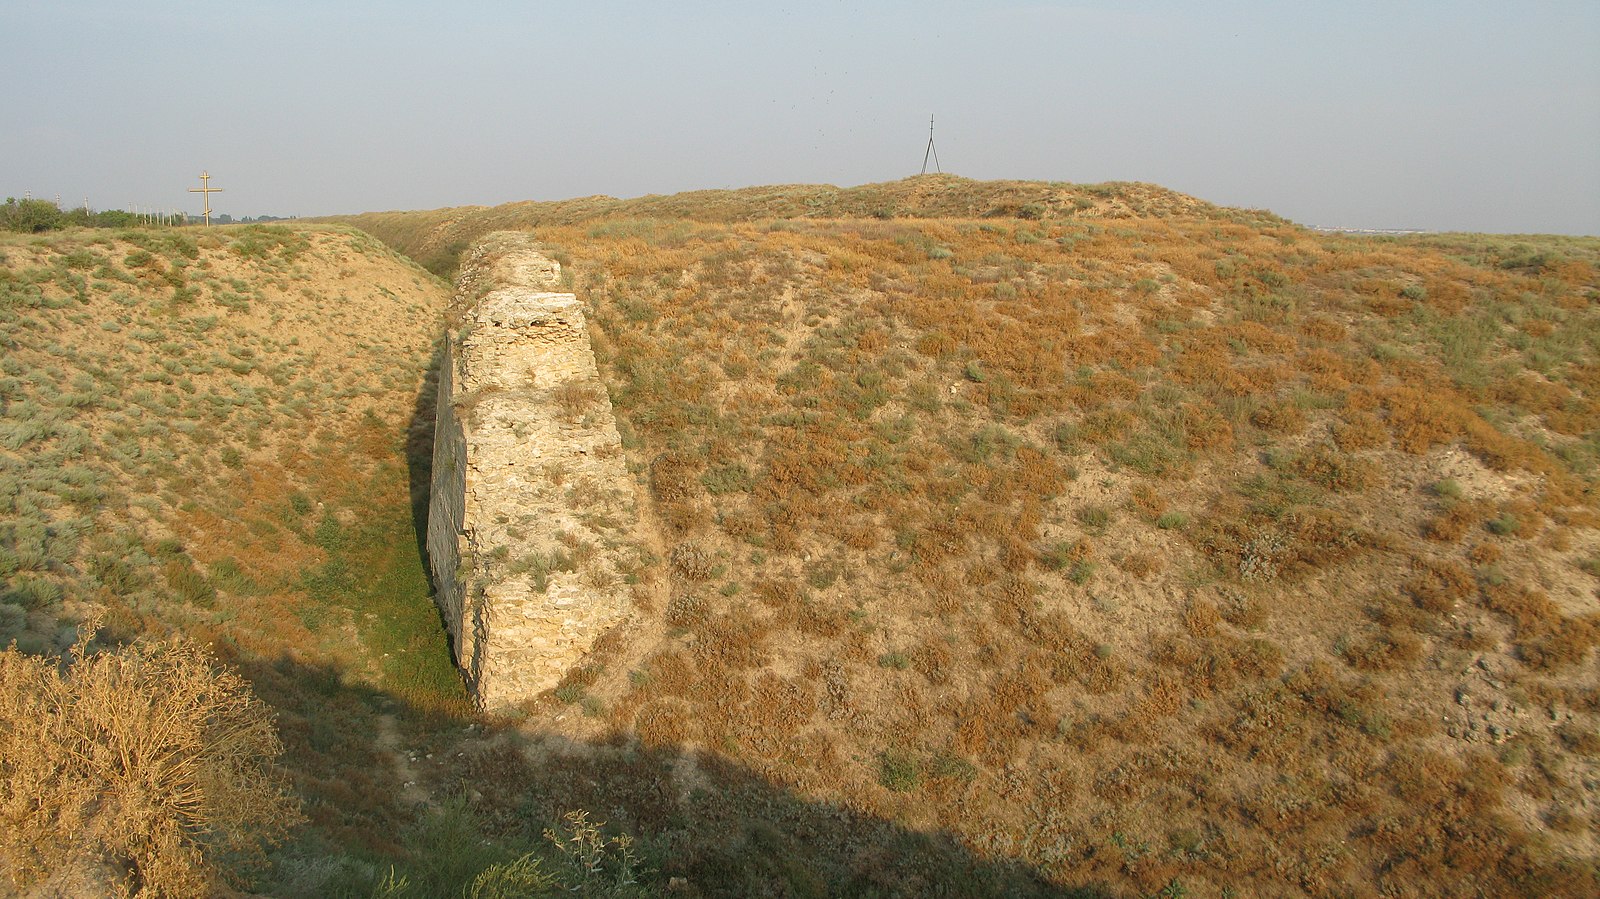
(532, 524)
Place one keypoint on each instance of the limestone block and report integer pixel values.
(527, 578)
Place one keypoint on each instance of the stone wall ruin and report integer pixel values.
(532, 522)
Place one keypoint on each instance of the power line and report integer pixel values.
(931, 151)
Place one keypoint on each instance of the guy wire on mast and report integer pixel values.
(931, 151)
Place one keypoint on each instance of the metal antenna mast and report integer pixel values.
(206, 190)
(931, 151)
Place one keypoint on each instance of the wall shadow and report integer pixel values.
(419, 453)
(705, 825)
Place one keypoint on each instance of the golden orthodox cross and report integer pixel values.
(206, 190)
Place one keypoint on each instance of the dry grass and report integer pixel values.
(1129, 539)
(146, 764)
(206, 434)
(940, 439)
(197, 419)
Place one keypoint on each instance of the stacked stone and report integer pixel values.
(532, 521)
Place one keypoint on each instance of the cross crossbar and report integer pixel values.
(206, 190)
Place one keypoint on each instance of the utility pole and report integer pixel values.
(206, 190)
(931, 150)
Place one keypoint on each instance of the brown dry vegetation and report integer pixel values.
(1002, 532)
(204, 434)
(146, 767)
(192, 423)
(436, 238)
(1153, 545)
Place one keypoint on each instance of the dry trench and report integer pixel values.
(532, 522)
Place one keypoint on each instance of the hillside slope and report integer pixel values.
(436, 237)
(204, 432)
(187, 392)
(1193, 552)
(1007, 539)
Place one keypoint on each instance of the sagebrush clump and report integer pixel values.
(147, 766)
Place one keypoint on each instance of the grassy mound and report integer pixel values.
(205, 433)
(1007, 539)
(435, 238)
(1192, 552)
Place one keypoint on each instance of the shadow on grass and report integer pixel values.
(433, 796)
(703, 824)
(419, 450)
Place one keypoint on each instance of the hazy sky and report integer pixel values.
(1440, 115)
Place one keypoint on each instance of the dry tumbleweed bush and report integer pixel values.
(147, 761)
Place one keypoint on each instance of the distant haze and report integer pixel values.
(1432, 115)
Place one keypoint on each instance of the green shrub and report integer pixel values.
(898, 770)
(896, 660)
(188, 584)
(1081, 571)
(29, 216)
(1504, 525)
(33, 594)
(731, 478)
(1095, 518)
(1058, 556)
(985, 443)
(952, 767)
